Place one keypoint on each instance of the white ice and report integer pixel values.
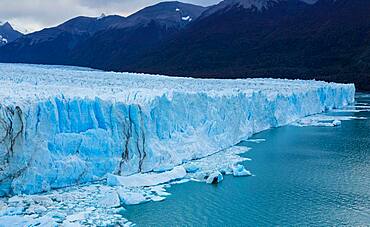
(147, 179)
(239, 171)
(214, 178)
(63, 126)
(326, 120)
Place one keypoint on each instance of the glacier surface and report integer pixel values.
(63, 126)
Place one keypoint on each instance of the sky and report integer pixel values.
(33, 15)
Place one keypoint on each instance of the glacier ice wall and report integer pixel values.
(61, 126)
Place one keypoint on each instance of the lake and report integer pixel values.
(302, 176)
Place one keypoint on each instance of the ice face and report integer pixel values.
(61, 126)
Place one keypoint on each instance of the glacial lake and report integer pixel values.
(302, 176)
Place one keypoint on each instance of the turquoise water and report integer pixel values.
(316, 176)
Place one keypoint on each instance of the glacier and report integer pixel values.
(62, 126)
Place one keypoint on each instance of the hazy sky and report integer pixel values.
(32, 15)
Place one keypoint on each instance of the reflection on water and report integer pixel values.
(303, 176)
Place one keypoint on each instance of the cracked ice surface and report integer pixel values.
(62, 126)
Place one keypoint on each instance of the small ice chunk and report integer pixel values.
(157, 198)
(110, 200)
(15, 199)
(159, 190)
(177, 10)
(191, 169)
(76, 217)
(214, 178)
(67, 223)
(35, 209)
(180, 181)
(56, 215)
(325, 120)
(256, 140)
(239, 170)
(12, 211)
(131, 198)
(147, 179)
(337, 123)
(14, 221)
(26, 221)
(42, 200)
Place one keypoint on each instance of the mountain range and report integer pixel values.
(325, 39)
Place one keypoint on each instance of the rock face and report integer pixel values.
(61, 126)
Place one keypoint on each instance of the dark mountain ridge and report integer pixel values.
(53, 45)
(326, 40)
(121, 46)
(85, 40)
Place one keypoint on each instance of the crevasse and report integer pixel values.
(61, 126)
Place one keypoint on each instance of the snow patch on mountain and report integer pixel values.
(187, 18)
(3, 40)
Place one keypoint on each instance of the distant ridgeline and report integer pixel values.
(327, 40)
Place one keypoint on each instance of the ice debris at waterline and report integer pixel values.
(100, 204)
(89, 205)
(214, 178)
(63, 126)
(147, 179)
(330, 119)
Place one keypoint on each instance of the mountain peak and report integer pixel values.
(248, 4)
(169, 14)
(254, 5)
(7, 33)
(260, 4)
(101, 16)
(5, 25)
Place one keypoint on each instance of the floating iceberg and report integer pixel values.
(214, 178)
(239, 171)
(62, 126)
